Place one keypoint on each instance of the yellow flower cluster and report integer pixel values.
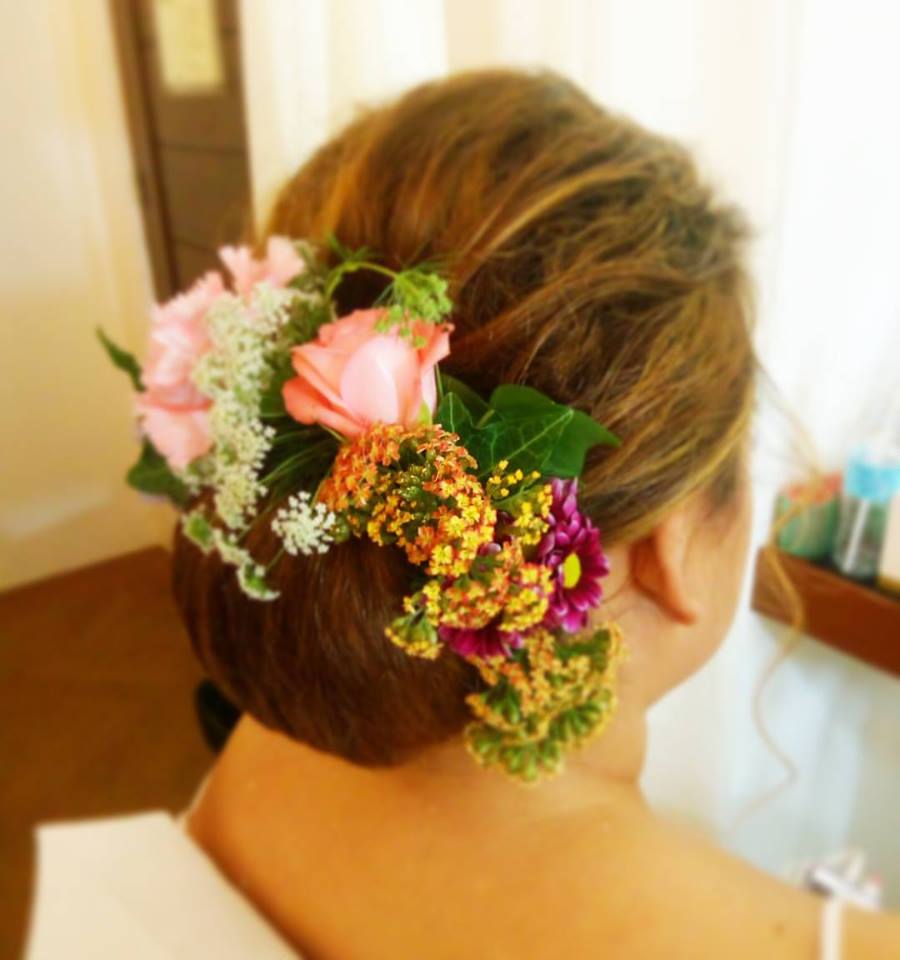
(530, 523)
(500, 483)
(501, 584)
(414, 487)
(417, 488)
(529, 505)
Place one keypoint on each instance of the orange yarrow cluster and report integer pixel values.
(416, 488)
(500, 585)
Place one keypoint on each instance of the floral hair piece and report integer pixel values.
(259, 401)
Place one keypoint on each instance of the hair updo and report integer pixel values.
(586, 259)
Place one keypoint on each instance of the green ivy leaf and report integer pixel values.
(472, 402)
(526, 442)
(452, 414)
(151, 474)
(581, 433)
(521, 425)
(515, 400)
(122, 359)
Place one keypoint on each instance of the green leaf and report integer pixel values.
(515, 400)
(122, 359)
(335, 244)
(272, 401)
(452, 414)
(521, 425)
(307, 317)
(300, 462)
(252, 580)
(345, 253)
(473, 403)
(424, 416)
(526, 442)
(199, 530)
(151, 474)
(582, 433)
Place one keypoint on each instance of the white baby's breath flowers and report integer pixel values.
(235, 375)
(304, 526)
(271, 307)
(242, 442)
(250, 338)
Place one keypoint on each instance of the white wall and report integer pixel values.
(72, 256)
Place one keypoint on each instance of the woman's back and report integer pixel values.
(352, 864)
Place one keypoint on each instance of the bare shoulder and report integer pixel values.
(608, 880)
(670, 892)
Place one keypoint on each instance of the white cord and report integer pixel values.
(831, 946)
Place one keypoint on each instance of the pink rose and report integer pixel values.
(279, 266)
(172, 410)
(352, 375)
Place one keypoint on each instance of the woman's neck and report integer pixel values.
(278, 816)
(267, 763)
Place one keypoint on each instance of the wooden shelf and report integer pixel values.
(849, 616)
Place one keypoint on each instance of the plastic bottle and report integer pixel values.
(871, 479)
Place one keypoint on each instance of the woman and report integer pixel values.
(591, 263)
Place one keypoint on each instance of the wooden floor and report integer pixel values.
(96, 715)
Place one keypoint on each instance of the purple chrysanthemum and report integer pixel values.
(571, 548)
(487, 641)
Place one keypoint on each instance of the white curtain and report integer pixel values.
(793, 109)
(73, 258)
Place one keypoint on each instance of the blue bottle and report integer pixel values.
(872, 477)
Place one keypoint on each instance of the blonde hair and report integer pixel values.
(586, 258)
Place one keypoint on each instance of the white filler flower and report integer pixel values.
(303, 525)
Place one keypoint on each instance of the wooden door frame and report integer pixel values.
(157, 231)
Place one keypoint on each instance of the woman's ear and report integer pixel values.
(660, 567)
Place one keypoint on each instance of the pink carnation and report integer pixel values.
(279, 266)
(174, 413)
(172, 410)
